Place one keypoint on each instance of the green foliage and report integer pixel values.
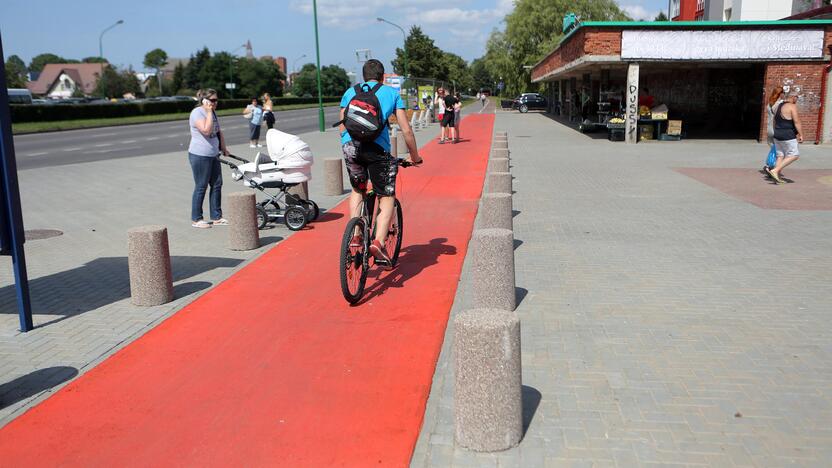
(155, 59)
(40, 61)
(481, 77)
(257, 76)
(305, 81)
(15, 72)
(532, 31)
(661, 17)
(115, 84)
(334, 80)
(215, 73)
(424, 59)
(454, 69)
(177, 81)
(94, 60)
(194, 67)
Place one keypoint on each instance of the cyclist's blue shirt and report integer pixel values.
(388, 98)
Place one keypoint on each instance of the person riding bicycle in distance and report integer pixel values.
(372, 159)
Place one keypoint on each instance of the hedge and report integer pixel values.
(55, 112)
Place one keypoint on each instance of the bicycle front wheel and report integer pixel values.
(394, 234)
(353, 262)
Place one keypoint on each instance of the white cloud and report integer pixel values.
(638, 12)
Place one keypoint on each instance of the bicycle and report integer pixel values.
(355, 259)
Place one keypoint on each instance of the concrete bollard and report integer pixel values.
(498, 165)
(425, 118)
(413, 118)
(488, 389)
(498, 144)
(300, 190)
(334, 176)
(493, 268)
(495, 211)
(402, 144)
(498, 182)
(242, 221)
(148, 261)
(501, 135)
(394, 142)
(500, 153)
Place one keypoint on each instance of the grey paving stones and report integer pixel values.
(492, 269)
(498, 182)
(495, 211)
(148, 259)
(242, 219)
(488, 406)
(333, 176)
(498, 165)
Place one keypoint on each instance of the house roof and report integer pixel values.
(85, 74)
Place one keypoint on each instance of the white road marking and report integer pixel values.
(102, 145)
(36, 154)
(71, 149)
(128, 141)
(151, 138)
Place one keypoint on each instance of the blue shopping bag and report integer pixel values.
(771, 160)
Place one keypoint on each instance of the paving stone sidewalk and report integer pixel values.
(79, 280)
(665, 321)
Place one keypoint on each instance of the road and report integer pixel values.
(96, 144)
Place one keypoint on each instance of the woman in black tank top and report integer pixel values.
(787, 136)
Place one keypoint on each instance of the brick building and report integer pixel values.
(712, 76)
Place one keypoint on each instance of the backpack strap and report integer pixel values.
(375, 88)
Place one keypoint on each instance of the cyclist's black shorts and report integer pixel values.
(369, 161)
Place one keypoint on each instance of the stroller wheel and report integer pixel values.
(262, 216)
(294, 218)
(312, 210)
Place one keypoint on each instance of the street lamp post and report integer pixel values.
(101, 38)
(295, 66)
(231, 68)
(404, 37)
(318, 61)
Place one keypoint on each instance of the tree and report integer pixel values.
(334, 81)
(94, 60)
(258, 76)
(15, 72)
(214, 73)
(177, 82)
(194, 68)
(305, 82)
(156, 59)
(661, 17)
(533, 29)
(480, 76)
(424, 59)
(109, 83)
(454, 69)
(40, 61)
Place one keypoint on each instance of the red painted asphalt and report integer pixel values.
(272, 367)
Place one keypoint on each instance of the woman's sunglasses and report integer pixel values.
(215, 100)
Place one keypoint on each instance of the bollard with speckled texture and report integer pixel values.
(498, 182)
(488, 404)
(148, 260)
(500, 153)
(492, 268)
(334, 176)
(495, 211)
(242, 221)
(498, 165)
(498, 144)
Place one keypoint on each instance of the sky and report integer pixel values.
(275, 27)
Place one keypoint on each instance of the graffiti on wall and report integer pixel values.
(805, 99)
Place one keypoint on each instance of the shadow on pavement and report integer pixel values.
(519, 295)
(328, 216)
(517, 243)
(34, 383)
(101, 282)
(412, 260)
(531, 400)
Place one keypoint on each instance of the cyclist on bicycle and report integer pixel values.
(373, 160)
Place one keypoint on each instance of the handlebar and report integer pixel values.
(238, 158)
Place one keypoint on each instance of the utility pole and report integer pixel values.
(318, 60)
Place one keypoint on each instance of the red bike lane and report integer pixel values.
(272, 367)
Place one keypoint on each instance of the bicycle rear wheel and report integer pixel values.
(353, 264)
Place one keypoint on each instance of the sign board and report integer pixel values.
(394, 81)
(722, 44)
(231, 86)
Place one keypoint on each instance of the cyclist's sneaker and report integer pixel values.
(382, 259)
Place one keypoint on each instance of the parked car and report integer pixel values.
(183, 98)
(19, 96)
(529, 101)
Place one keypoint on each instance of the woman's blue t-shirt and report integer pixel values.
(388, 98)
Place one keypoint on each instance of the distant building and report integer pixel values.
(62, 80)
(170, 67)
(738, 10)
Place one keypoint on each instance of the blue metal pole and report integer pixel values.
(13, 222)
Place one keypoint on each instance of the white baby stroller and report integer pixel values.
(287, 164)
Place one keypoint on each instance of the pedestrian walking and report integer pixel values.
(268, 114)
(254, 114)
(448, 129)
(774, 101)
(788, 134)
(483, 98)
(457, 116)
(207, 143)
(439, 100)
